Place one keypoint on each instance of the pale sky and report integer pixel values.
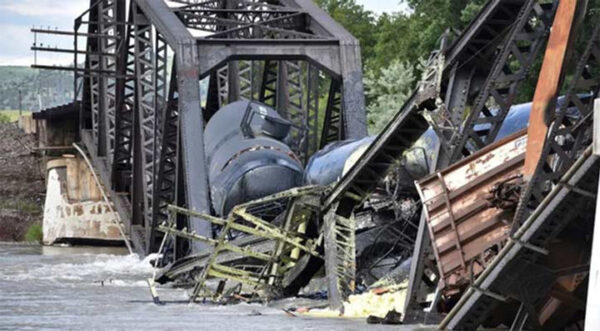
(17, 17)
(380, 6)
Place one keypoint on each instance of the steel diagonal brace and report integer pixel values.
(266, 230)
(170, 229)
(192, 122)
(340, 260)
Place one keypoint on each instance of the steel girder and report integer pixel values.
(146, 117)
(568, 131)
(288, 30)
(470, 98)
(125, 103)
(108, 62)
(102, 65)
(569, 135)
(333, 129)
(461, 86)
(512, 64)
(443, 98)
(144, 128)
(193, 165)
(252, 68)
(520, 274)
(166, 180)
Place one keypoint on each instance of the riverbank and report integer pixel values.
(22, 185)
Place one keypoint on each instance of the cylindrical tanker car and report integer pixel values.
(247, 156)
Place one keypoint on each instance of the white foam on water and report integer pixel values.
(125, 283)
(105, 269)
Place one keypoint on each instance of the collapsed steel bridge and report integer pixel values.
(142, 118)
(138, 76)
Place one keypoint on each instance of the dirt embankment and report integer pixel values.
(22, 183)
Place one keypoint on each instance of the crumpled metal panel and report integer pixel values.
(469, 211)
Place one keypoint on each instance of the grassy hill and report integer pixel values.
(38, 87)
(9, 116)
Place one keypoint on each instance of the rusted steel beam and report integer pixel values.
(548, 84)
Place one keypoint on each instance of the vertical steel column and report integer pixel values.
(95, 100)
(282, 95)
(353, 95)
(333, 126)
(125, 103)
(268, 86)
(160, 113)
(108, 83)
(212, 97)
(246, 79)
(146, 121)
(295, 107)
(166, 184)
(86, 113)
(195, 172)
(312, 111)
(233, 82)
(340, 254)
(421, 253)
(223, 85)
(161, 83)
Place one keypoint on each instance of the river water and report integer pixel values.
(105, 289)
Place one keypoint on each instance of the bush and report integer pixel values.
(34, 233)
(4, 118)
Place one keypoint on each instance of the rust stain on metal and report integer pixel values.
(548, 83)
(463, 224)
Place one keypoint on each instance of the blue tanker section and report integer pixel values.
(328, 165)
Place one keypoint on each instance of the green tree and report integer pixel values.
(392, 41)
(388, 91)
(389, 45)
(471, 10)
(357, 20)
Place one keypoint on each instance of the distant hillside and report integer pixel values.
(39, 87)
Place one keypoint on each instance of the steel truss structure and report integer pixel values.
(460, 77)
(561, 185)
(155, 71)
(563, 155)
(142, 88)
(267, 272)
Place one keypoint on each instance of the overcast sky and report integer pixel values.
(18, 16)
